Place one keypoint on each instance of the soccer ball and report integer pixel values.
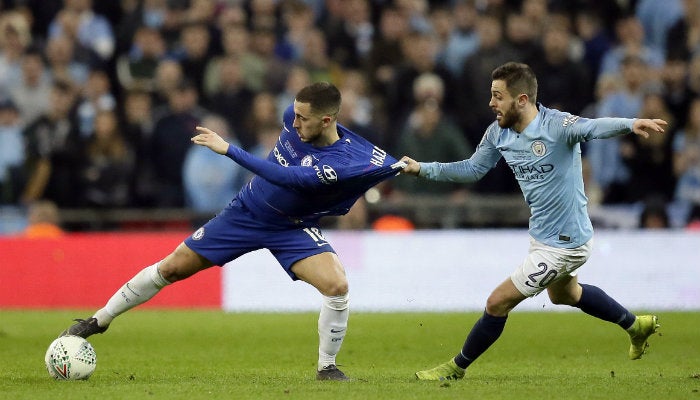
(70, 358)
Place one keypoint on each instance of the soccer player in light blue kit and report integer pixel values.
(542, 148)
(317, 168)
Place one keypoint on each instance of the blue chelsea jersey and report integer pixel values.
(546, 161)
(301, 182)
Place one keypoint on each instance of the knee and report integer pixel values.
(562, 299)
(338, 287)
(169, 271)
(496, 307)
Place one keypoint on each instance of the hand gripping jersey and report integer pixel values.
(546, 160)
(300, 182)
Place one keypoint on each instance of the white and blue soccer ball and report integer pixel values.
(70, 358)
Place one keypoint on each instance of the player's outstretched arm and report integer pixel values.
(412, 166)
(643, 127)
(210, 139)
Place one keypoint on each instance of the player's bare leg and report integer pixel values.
(180, 264)
(325, 272)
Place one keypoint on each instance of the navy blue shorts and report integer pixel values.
(236, 231)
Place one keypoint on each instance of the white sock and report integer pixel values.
(138, 290)
(332, 324)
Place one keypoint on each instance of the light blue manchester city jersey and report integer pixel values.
(546, 160)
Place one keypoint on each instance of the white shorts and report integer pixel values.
(546, 264)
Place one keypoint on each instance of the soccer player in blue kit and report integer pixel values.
(317, 168)
(542, 148)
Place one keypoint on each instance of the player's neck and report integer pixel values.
(529, 114)
(328, 137)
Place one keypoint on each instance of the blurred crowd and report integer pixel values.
(98, 99)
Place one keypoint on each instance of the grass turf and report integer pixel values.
(210, 354)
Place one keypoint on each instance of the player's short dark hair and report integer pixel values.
(519, 78)
(323, 97)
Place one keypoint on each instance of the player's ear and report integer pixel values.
(523, 99)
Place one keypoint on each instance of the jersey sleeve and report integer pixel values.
(312, 177)
(578, 129)
(470, 170)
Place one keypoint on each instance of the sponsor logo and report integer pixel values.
(198, 234)
(539, 148)
(330, 173)
(569, 120)
(336, 330)
(531, 172)
(280, 158)
(326, 174)
(307, 161)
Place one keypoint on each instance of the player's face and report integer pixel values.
(309, 126)
(503, 104)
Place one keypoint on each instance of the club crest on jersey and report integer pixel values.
(198, 234)
(307, 161)
(539, 148)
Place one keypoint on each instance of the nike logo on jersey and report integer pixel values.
(337, 330)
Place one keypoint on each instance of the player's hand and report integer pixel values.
(412, 166)
(210, 139)
(643, 127)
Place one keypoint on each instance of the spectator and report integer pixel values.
(211, 181)
(605, 156)
(522, 36)
(11, 152)
(650, 161)
(564, 75)
(44, 220)
(169, 76)
(263, 113)
(630, 41)
(96, 96)
(235, 40)
(63, 62)
(92, 31)
(170, 142)
(15, 38)
(352, 39)
(492, 52)
(193, 52)
(231, 98)
(54, 151)
(683, 37)
(31, 93)
(686, 161)
(430, 134)
(316, 61)
(137, 67)
(297, 78)
(386, 54)
(108, 166)
(657, 18)
(463, 40)
(596, 41)
(136, 123)
(420, 52)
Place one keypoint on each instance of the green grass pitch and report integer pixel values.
(215, 355)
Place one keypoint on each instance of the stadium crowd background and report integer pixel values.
(98, 99)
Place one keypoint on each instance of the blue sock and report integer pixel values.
(594, 301)
(484, 333)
